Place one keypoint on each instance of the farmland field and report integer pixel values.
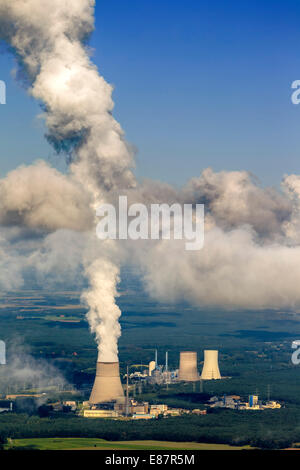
(101, 444)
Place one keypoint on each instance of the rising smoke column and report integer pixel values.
(104, 277)
(48, 38)
(251, 256)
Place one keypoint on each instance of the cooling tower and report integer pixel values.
(210, 369)
(107, 385)
(188, 366)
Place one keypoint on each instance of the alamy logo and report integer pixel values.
(2, 92)
(154, 222)
(2, 353)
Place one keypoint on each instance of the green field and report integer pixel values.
(101, 444)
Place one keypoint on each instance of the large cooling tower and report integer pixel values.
(210, 369)
(188, 366)
(107, 385)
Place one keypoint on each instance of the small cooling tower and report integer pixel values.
(210, 369)
(107, 385)
(188, 366)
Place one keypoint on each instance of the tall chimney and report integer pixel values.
(107, 385)
(188, 366)
(210, 369)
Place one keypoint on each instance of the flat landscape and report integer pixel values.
(47, 334)
(101, 444)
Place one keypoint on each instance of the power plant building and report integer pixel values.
(210, 369)
(100, 414)
(152, 366)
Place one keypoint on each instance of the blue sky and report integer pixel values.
(197, 84)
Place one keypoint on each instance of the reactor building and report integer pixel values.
(107, 386)
(188, 371)
(151, 368)
(210, 369)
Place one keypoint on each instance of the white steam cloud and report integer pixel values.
(38, 196)
(48, 38)
(251, 254)
(24, 371)
(104, 276)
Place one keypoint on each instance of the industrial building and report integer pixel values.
(234, 402)
(108, 387)
(100, 413)
(143, 416)
(159, 374)
(152, 367)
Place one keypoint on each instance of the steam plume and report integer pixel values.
(39, 197)
(251, 255)
(48, 38)
(23, 370)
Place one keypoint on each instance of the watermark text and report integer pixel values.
(158, 221)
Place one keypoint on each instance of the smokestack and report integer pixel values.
(188, 366)
(107, 385)
(166, 361)
(210, 369)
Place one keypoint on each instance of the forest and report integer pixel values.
(267, 430)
